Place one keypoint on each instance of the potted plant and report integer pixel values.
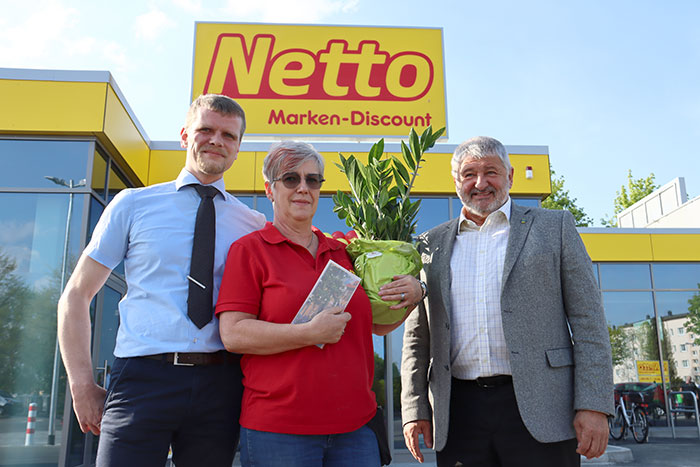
(380, 211)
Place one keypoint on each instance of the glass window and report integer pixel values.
(248, 200)
(681, 331)
(685, 363)
(96, 210)
(117, 182)
(595, 273)
(623, 308)
(325, 219)
(683, 349)
(672, 304)
(32, 241)
(264, 205)
(670, 331)
(433, 211)
(61, 160)
(99, 174)
(530, 202)
(628, 276)
(676, 275)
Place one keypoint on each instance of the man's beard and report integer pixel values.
(478, 208)
(209, 166)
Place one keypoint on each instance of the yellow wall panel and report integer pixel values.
(241, 176)
(539, 184)
(51, 106)
(676, 247)
(165, 165)
(618, 247)
(125, 136)
(434, 176)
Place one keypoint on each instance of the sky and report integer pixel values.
(608, 86)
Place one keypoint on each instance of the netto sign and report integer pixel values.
(324, 80)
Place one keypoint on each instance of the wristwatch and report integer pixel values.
(424, 288)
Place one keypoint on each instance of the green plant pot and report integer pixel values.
(376, 263)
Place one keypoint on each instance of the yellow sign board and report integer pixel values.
(649, 371)
(324, 80)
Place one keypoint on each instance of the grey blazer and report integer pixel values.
(548, 289)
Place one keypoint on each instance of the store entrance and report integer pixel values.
(80, 449)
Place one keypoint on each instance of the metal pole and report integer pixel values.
(389, 390)
(56, 354)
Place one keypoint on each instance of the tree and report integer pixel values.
(560, 199)
(650, 350)
(693, 323)
(619, 342)
(635, 190)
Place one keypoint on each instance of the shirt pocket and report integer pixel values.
(560, 357)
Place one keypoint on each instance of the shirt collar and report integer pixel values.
(465, 223)
(186, 178)
(271, 235)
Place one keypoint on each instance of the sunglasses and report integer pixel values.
(292, 180)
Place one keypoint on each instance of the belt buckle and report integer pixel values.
(176, 360)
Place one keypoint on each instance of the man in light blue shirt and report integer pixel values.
(172, 383)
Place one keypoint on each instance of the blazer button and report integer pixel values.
(447, 325)
(447, 367)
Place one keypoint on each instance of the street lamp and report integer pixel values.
(64, 263)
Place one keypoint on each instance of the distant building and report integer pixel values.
(667, 207)
(683, 347)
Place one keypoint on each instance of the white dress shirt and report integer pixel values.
(478, 347)
(152, 230)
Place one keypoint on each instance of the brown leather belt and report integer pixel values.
(491, 381)
(222, 357)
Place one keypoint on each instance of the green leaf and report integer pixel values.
(407, 156)
(403, 173)
(376, 151)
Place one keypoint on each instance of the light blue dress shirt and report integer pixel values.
(152, 229)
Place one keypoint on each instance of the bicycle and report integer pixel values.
(629, 414)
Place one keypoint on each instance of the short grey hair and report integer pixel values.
(478, 148)
(287, 156)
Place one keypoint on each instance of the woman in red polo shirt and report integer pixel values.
(302, 405)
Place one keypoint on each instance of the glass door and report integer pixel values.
(81, 449)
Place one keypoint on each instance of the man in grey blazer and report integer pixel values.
(509, 363)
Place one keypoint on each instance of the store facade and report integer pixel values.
(69, 142)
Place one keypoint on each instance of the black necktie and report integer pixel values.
(201, 278)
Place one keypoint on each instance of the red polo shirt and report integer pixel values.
(307, 390)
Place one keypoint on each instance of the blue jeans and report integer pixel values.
(264, 449)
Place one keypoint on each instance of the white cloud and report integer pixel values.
(302, 11)
(32, 37)
(190, 6)
(47, 34)
(151, 25)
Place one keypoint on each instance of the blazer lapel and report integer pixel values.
(444, 242)
(520, 223)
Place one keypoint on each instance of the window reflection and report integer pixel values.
(65, 160)
(32, 239)
(676, 275)
(326, 220)
(117, 182)
(530, 202)
(628, 276)
(433, 212)
(248, 200)
(99, 174)
(623, 308)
